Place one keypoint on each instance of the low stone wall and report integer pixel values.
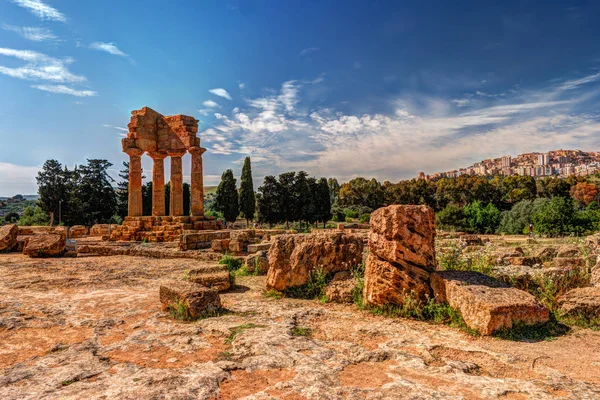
(38, 230)
(201, 240)
(102, 229)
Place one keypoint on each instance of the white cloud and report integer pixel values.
(39, 67)
(110, 48)
(124, 130)
(461, 102)
(221, 93)
(62, 89)
(41, 10)
(211, 104)
(575, 83)
(308, 51)
(17, 179)
(242, 85)
(32, 33)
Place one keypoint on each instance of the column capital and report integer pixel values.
(158, 155)
(197, 150)
(176, 153)
(134, 151)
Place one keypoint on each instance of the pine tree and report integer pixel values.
(147, 199)
(323, 201)
(302, 197)
(187, 199)
(287, 200)
(123, 191)
(52, 188)
(247, 198)
(227, 197)
(98, 199)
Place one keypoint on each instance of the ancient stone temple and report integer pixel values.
(160, 137)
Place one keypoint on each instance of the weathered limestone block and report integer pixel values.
(546, 253)
(568, 263)
(390, 283)
(595, 274)
(568, 251)
(471, 240)
(237, 246)
(256, 247)
(529, 261)
(200, 301)
(404, 235)
(339, 290)
(102, 229)
(292, 258)
(243, 235)
(8, 237)
(77, 231)
(581, 302)
(220, 245)
(215, 276)
(45, 245)
(486, 304)
(258, 260)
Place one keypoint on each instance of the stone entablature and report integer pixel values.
(163, 136)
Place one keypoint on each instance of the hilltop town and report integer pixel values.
(553, 163)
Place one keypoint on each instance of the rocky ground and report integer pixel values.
(91, 327)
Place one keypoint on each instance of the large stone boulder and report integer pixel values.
(8, 237)
(293, 258)
(45, 245)
(339, 290)
(391, 283)
(581, 302)
(213, 276)
(189, 300)
(404, 235)
(486, 304)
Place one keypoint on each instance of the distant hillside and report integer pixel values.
(210, 190)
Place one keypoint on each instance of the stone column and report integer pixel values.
(158, 183)
(134, 200)
(197, 188)
(176, 200)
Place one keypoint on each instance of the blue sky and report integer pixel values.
(338, 88)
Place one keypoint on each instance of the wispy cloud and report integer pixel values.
(17, 179)
(32, 33)
(575, 83)
(211, 104)
(461, 102)
(123, 133)
(62, 89)
(41, 10)
(308, 51)
(221, 93)
(110, 48)
(39, 67)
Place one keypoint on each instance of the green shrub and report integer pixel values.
(358, 274)
(313, 289)
(350, 213)
(233, 264)
(364, 218)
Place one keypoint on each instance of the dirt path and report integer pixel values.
(92, 328)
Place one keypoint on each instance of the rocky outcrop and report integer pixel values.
(45, 245)
(8, 237)
(195, 300)
(486, 304)
(581, 302)
(213, 276)
(339, 290)
(258, 260)
(402, 245)
(292, 258)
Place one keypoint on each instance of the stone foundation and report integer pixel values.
(162, 229)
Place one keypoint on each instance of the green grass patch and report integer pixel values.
(313, 289)
(300, 331)
(272, 294)
(538, 332)
(233, 265)
(236, 330)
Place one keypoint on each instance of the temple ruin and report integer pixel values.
(160, 137)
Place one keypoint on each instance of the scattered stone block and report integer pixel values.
(595, 274)
(220, 245)
(529, 261)
(581, 302)
(8, 237)
(546, 253)
(568, 252)
(486, 304)
(390, 283)
(198, 300)
(568, 262)
(339, 290)
(45, 245)
(404, 235)
(471, 240)
(259, 259)
(253, 248)
(216, 276)
(292, 258)
(237, 246)
(77, 231)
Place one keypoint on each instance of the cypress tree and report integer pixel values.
(323, 201)
(247, 198)
(227, 197)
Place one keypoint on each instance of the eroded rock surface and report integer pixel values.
(581, 302)
(198, 300)
(92, 328)
(292, 258)
(339, 290)
(486, 304)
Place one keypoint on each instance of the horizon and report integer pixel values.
(338, 89)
